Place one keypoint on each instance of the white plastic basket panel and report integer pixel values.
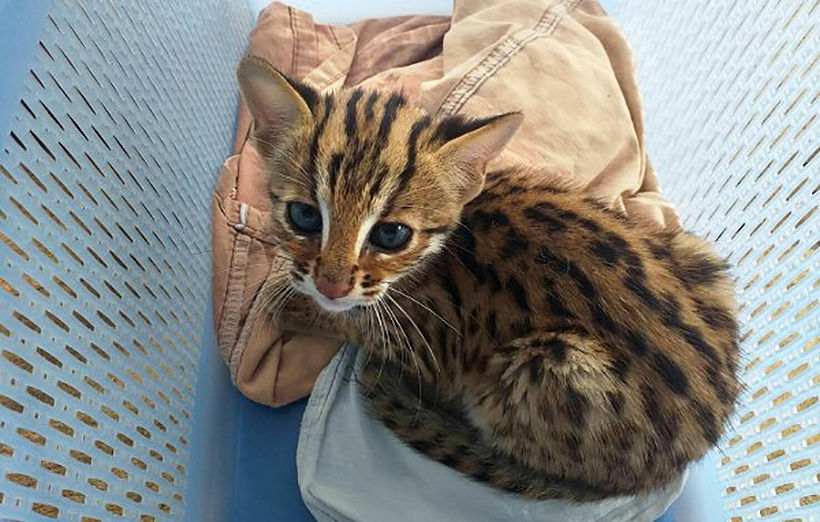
(731, 99)
(105, 181)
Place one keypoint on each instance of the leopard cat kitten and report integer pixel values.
(518, 332)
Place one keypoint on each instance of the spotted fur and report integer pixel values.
(527, 336)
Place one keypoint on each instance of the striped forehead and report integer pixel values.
(364, 146)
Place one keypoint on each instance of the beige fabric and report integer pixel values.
(563, 63)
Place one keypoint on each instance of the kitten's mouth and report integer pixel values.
(342, 304)
(335, 305)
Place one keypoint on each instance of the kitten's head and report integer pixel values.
(365, 186)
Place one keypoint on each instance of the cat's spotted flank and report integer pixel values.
(519, 332)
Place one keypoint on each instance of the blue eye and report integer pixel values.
(305, 219)
(390, 236)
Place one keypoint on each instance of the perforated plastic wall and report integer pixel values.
(125, 114)
(731, 92)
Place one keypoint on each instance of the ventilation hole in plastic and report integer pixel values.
(17, 141)
(128, 441)
(18, 361)
(110, 413)
(98, 483)
(24, 211)
(53, 467)
(31, 436)
(81, 318)
(22, 479)
(94, 385)
(62, 427)
(80, 456)
(48, 253)
(73, 254)
(14, 247)
(42, 145)
(57, 221)
(75, 496)
(70, 390)
(105, 448)
(116, 380)
(46, 510)
(57, 321)
(11, 404)
(40, 395)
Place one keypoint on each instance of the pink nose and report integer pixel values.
(332, 289)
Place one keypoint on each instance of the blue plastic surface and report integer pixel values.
(730, 91)
(20, 25)
(215, 437)
(115, 120)
(267, 488)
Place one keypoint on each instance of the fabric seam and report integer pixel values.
(236, 284)
(501, 54)
(224, 299)
(241, 337)
(295, 50)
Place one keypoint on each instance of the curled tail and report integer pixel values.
(435, 425)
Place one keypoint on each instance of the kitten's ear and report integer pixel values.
(468, 153)
(277, 104)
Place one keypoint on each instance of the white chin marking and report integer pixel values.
(327, 304)
(331, 305)
(334, 305)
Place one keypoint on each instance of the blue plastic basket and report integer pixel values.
(114, 119)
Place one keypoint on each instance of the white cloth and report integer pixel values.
(352, 468)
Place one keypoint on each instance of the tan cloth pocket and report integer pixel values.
(266, 366)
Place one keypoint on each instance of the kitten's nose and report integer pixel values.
(332, 289)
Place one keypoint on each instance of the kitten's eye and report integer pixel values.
(305, 219)
(390, 236)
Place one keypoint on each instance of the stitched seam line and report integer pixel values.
(335, 39)
(233, 292)
(502, 54)
(251, 321)
(293, 56)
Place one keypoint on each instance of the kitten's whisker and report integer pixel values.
(384, 349)
(413, 323)
(273, 300)
(407, 296)
(292, 163)
(262, 283)
(394, 320)
(266, 311)
(446, 247)
(295, 164)
(371, 327)
(411, 353)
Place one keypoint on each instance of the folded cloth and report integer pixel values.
(564, 64)
(352, 468)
